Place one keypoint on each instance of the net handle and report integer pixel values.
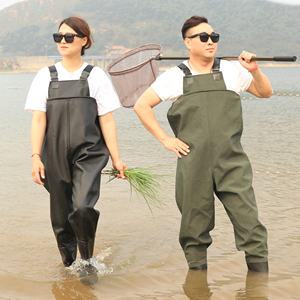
(256, 58)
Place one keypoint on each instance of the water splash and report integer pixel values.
(96, 262)
(79, 264)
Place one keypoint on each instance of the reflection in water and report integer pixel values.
(69, 290)
(256, 287)
(196, 286)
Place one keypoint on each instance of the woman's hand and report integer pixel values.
(121, 167)
(38, 170)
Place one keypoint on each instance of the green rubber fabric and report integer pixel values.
(208, 118)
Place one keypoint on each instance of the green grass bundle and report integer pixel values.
(143, 182)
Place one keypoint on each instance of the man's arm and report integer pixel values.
(143, 109)
(260, 85)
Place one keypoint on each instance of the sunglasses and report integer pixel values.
(69, 37)
(205, 36)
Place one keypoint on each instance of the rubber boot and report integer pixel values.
(88, 274)
(259, 267)
(68, 253)
(86, 249)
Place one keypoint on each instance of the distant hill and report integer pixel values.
(258, 26)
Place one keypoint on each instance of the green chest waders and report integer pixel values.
(209, 119)
(74, 154)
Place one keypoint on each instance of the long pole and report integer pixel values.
(274, 58)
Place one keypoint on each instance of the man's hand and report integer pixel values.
(176, 145)
(245, 61)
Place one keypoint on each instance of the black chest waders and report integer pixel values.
(209, 119)
(74, 153)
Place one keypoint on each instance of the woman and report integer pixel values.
(72, 134)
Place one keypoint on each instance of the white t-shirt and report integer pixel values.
(99, 84)
(169, 85)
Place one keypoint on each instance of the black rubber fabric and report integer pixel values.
(74, 154)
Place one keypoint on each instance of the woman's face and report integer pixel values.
(70, 49)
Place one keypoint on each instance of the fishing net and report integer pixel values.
(133, 72)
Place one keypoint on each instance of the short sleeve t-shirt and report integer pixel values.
(100, 86)
(169, 85)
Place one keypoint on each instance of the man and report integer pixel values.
(206, 117)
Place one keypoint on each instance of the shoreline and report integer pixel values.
(164, 68)
(32, 64)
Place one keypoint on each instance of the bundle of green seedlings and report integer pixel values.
(143, 182)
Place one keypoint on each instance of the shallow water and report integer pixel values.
(138, 253)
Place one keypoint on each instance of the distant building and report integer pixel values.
(116, 51)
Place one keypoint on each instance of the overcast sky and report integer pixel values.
(295, 2)
(5, 3)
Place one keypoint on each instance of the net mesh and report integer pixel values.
(133, 72)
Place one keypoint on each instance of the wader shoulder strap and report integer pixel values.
(53, 73)
(216, 65)
(86, 72)
(54, 77)
(84, 75)
(186, 70)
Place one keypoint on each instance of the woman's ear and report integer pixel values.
(84, 41)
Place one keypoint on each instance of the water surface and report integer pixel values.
(138, 252)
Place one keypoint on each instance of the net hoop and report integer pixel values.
(133, 72)
(131, 53)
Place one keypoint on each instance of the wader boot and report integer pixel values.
(88, 274)
(208, 117)
(259, 267)
(86, 248)
(74, 153)
(68, 253)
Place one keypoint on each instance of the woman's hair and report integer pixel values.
(80, 26)
(192, 22)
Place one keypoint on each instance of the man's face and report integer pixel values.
(204, 50)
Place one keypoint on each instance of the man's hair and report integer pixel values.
(192, 22)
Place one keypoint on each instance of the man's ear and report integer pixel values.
(187, 42)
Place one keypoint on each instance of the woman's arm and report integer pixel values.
(109, 131)
(38, 128)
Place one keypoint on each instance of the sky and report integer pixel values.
(293, 2)
(5, 3)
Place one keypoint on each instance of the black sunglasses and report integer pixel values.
(205, 36)
(69, 37)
